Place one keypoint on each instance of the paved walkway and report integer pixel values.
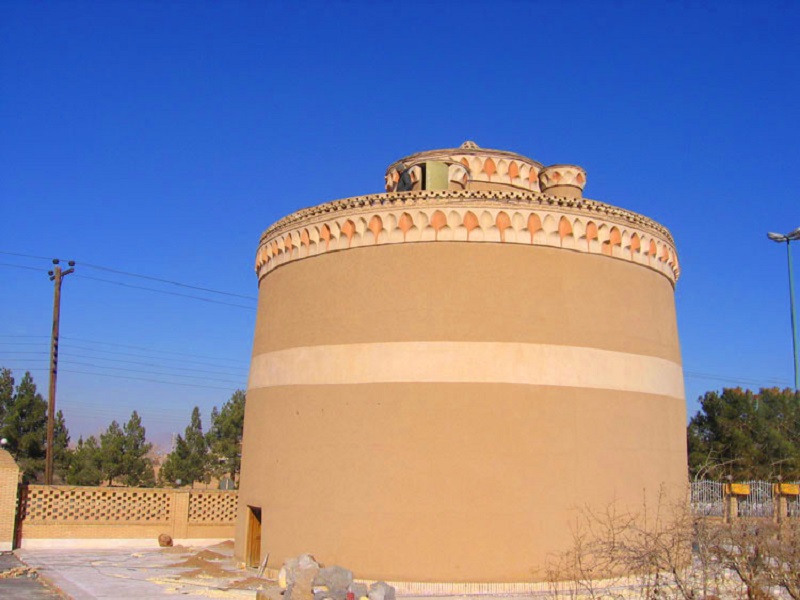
(18, 582)
(125, 573)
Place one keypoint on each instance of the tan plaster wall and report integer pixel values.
(449, 482)
(454, 481)
(471, 292)
(564, 191)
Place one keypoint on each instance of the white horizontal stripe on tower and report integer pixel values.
(467, 362)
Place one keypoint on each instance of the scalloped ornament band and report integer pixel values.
(477, 217)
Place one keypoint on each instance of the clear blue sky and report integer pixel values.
(162, 138)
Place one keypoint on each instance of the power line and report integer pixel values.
(209, 387)
(725, 378)
(113, 368)
(68, 349)
(170, 370)
(138, 275)
(115, 345)
(22, 335)
(69, 354)
(149, 289)
(26, 255)
(155, 290)
(147, 349)
(2, 264)
(170, 281)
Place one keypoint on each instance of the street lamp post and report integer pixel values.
(789, 238)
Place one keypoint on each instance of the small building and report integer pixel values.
(445, 373)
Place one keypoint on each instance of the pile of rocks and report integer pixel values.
(303, 578)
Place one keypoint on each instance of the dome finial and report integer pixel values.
(470, 145)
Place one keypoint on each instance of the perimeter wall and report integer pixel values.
(58, 516)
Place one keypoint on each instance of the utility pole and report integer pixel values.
(56, 276)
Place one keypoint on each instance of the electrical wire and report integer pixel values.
(131, 274)
(170, 370)
(114, 345)
(128, 370)
(724, 378)
(46, 368)
(68, 349)
(154, 290)
(69, 355)
(170, 281)
(160, 362)
(2, 264)
(207, 387)
(27, 255)
(87, 341)
(149, 289)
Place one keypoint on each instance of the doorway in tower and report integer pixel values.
(253, 536)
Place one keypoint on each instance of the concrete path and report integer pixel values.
(148, 573)
(18, 582)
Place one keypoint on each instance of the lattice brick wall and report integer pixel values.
(212, 507)
(50, 503)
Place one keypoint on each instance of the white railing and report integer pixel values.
(708, 500)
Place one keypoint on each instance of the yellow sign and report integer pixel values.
(738, 489)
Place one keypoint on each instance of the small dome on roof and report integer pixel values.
(470, 145)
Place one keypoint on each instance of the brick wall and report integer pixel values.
(70, 516)
(9, 478)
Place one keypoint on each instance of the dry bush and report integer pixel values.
(643, 554)
(664, 552)
(764, 556)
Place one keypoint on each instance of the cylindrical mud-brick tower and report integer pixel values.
(443, 375)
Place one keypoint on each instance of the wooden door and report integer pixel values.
(254, 536)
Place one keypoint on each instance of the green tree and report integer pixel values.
(172, 471)
(189, 460)
(123, 454)
(746, 435)
(225, 437)
(61, 453)
(24, 425)
(86, 464)
(112, 452)
(136, 466)
(6, 392)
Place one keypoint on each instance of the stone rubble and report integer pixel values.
(303, 578)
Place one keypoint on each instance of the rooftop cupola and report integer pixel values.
(470, 167)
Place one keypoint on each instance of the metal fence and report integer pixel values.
(793, 507)
(759, 503)
(708, 500)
